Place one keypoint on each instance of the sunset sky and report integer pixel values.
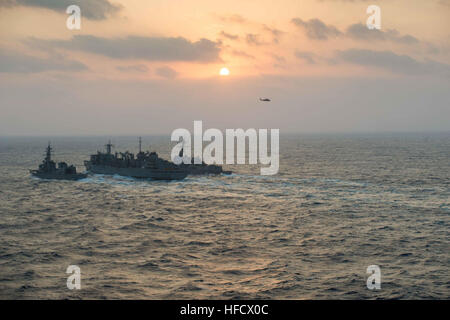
(149, 67)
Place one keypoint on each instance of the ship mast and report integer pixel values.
(180, 154)
(140, 144)
(108, 147)
(48, 155)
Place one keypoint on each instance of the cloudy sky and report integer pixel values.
(151, 66)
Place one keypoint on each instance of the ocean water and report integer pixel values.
(339, 204)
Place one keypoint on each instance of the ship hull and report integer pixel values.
(193, 169)
(139, 173)
(197, 169)
(53, 176)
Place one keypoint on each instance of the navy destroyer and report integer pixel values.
(48, 170)
(145, 165)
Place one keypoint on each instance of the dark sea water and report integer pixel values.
(338, 205)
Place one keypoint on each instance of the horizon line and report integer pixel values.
(281, 133)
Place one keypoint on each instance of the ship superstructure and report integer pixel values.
(48, 169)
(146, 165)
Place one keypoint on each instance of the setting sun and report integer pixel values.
(224, 72)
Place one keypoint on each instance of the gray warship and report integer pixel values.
(48, 170)
(203, 168)
(146, 165)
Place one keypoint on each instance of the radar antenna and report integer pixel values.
(180, 154)
(140, 144)
(48, 155)
(108, 147)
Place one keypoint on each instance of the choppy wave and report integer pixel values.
(336, 207)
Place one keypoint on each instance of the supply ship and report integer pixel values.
(145, 165)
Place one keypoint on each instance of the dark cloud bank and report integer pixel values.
(317, 30)
(91, 9)
(19, 63)
(136, 47)
(402, 64)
